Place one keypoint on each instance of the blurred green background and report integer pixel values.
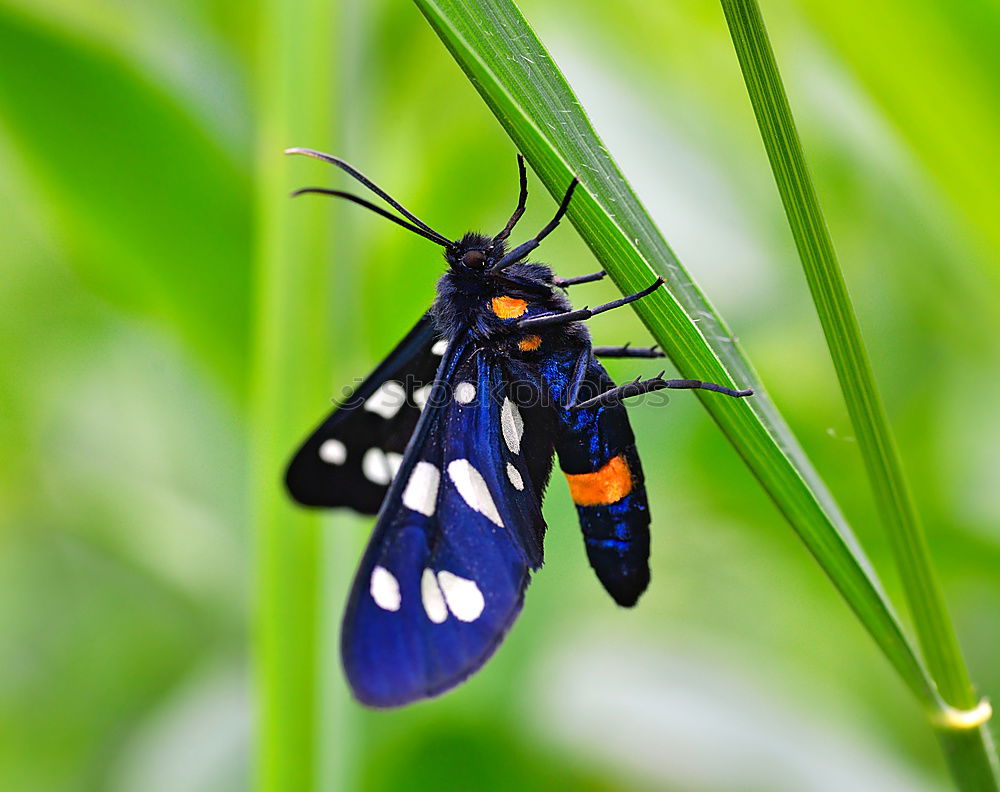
(138, 143)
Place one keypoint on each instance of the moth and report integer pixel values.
(450, 441)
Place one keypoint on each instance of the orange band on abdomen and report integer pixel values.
(608, 485)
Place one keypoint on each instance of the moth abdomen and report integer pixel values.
(616, 534)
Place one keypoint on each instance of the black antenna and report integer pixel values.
(377, 209)
(356, 174)
(521, 202)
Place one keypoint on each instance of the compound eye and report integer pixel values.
(474, 259)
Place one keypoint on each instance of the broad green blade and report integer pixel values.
(517, 78)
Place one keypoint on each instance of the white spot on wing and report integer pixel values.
(384, 589)
(379, 467)
(440, 347)
(333, 451)
(421, 395)
(463, 596)
(473, 489)
(512, 425)
(465, 392)
(515, 477)
(422, 489)
(433, 599)
(387, 400)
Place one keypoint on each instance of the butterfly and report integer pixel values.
(450, 441)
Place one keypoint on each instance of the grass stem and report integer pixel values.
(291, 319)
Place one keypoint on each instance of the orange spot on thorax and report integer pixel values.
(509, 307)
(608, 485)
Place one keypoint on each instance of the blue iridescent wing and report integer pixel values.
(444, 574)
(351, 457)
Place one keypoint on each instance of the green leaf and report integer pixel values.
(517, 78)
(973, 769)
(155, 212)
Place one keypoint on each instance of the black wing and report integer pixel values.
(351, 458)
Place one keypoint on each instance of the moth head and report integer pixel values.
(473, 253)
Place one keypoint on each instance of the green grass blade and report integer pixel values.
(857, 380)
(514, 74)
(292, 339)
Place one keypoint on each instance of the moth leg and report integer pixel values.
(637, 387)
(572, 393)
(525, 248)
(544, 320)
(629, 352)
(562, 283)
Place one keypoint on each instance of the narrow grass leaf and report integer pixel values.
(857, 380)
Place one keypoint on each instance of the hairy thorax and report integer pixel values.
(487, 308)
